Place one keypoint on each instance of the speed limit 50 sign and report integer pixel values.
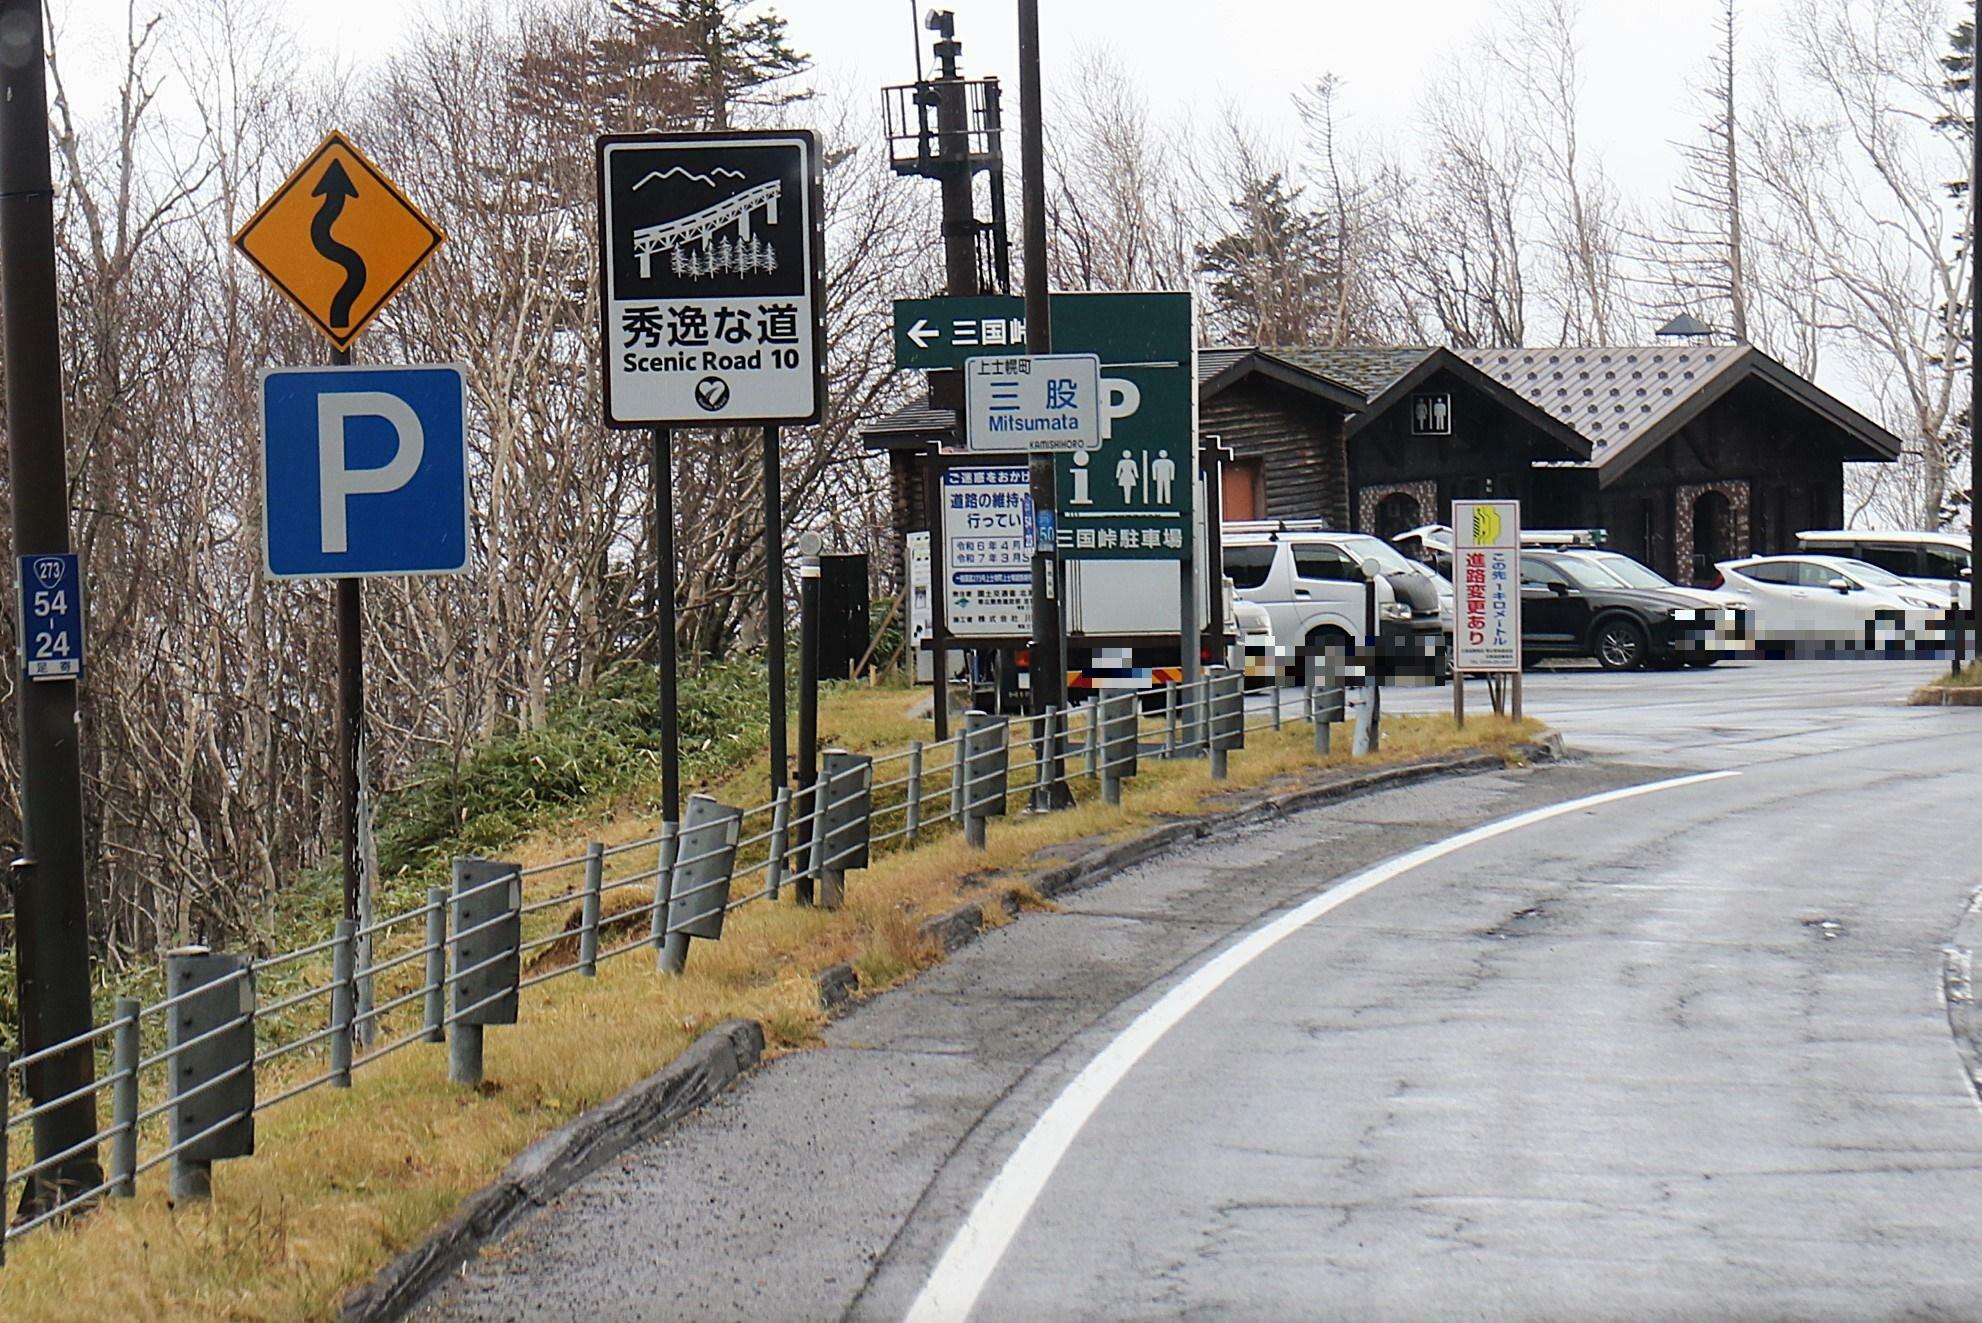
(51, 615)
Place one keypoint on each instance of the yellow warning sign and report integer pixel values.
(339, 239)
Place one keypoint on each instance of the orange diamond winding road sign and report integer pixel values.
(339, 239)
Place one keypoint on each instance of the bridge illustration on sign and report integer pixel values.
(697, 244)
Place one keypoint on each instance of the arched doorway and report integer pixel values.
(1397, 513)
(1713, 534)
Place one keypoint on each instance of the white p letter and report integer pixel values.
(338, 482)
(1120, 398)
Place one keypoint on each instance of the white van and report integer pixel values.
(1930, 560)
(1311, 581)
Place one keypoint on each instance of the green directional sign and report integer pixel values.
(1130, 499)
(932, 334)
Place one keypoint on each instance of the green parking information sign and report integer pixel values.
(1130, 499)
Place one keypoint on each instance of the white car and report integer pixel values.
(1829, 600)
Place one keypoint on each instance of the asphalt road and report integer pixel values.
(1679, 1055)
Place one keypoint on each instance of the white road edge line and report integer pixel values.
(975, 1251)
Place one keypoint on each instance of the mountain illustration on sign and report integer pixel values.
(698, 245)
(336, 188)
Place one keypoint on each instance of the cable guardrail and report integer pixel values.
(188, 1073)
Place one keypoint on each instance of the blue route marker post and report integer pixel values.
(51, 616)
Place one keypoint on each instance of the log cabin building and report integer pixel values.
(1685, 453)
(1697, 452)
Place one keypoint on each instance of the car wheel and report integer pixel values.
(1619, 645)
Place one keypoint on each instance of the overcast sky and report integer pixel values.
(1640, 59)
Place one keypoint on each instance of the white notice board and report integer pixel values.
(1486, 585)
(987, 550)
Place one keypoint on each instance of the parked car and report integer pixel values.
(1311, 581)
(1573, 607)
(1729, 616)
(1830, 601)
(1927, 560)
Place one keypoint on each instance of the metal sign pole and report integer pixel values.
(1048, 674)
(661, 476)
(774, 603)
(51, 925)
(939, 634)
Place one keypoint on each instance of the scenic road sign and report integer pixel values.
(364, 471)
(1033, 403)
(1486, 573)
(51, 616)
(338, 239)
(711, 253)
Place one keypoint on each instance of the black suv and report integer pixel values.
(1573, 607)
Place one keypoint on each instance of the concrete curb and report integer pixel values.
(721, 1056)
(555, 1163)
(1958, 990)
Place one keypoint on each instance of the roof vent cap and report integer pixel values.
(1685, 327)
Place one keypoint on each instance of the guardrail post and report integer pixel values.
(1226, 724)
(1363, 739)
(342, 956)
(913, 812)
(210, 1045)
(671, 948)
(488, 928)
(1093, 736)
(1170, 719)
(1120, 718)
(124, 1055)
(986, 773)
(958, 763)
(846, 823)
(588, 910)
(774, 864)
(700, 866)
(1044, 734)
(1275, 691)
(435, 1007)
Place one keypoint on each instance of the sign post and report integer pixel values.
(339, 239)
(49, 882)
(712, 312)
(1486, 576)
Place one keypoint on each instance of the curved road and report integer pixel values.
(1679, 1055)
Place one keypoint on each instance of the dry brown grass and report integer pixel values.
(343, 1180)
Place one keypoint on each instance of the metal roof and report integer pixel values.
(1369, 370)
(1629, 398)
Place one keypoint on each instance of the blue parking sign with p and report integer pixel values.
(364, 471)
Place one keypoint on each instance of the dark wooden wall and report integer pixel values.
(1790, 459)
(1296, 438)
(1488, 456)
